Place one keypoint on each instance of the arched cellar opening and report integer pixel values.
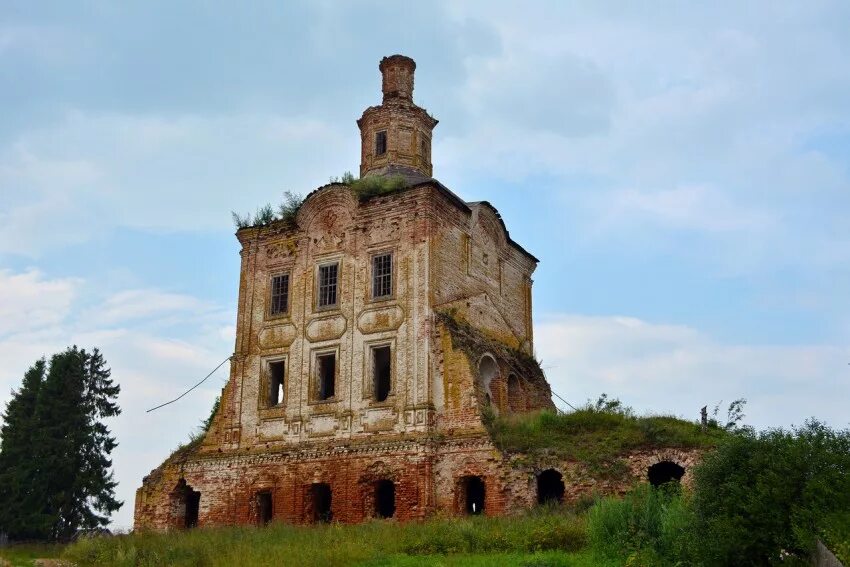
(320, 496)
(488, 370)
(384, 499)
(516, 399)
(187, 505)
(550, 487)
(472, 495)
(265, 507)
(664, 472)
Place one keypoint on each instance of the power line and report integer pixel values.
(554, 393)
(192, 388)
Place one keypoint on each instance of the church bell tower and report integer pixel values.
(396, 136)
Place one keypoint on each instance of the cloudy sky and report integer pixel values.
(681, 171)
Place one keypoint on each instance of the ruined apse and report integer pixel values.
(374, 331)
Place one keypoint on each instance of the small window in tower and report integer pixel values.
(325, 375)
(276, 373)
(382, 275)
(380, 143)
(328, 275)
(381, 373)
(279, 295)
(423, 148)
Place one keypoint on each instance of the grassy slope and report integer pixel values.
(541, 538)
(23, 555)
(595, 436)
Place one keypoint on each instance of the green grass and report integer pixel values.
(542, 538)
(596, 437)
(23, 555)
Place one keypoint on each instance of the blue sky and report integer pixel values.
(680, 170)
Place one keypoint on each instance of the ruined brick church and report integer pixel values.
(373, 334)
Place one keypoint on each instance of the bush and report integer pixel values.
(763, 496)
(649, 525)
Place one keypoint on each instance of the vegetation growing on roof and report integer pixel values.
(597, 434)
(367, 187)
(286, 211)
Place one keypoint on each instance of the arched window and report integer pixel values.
(488, 371)
(516, 397)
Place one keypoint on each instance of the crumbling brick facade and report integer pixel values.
(371, 334)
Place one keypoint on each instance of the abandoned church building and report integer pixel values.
(375, 332)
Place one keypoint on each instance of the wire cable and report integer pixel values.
(554, 393)
(193, 387)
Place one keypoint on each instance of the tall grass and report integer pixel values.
(281, 544)
(649, 525)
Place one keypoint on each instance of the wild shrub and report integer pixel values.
(764, 496)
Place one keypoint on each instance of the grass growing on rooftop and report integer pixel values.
(544, 537)
(596, 433)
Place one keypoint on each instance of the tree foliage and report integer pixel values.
(54, 453)
(761, 495)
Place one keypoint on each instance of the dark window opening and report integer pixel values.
(380, 143)
(279, 295)
(193, 506)
(423, 148)
(473, 495)
(385, 499)
(550, 487)
(664, 472)
(382, 276)
(327, 284)
(321, 496)
(265, 510)
(276, 390)
(381, 373)
(326, 375)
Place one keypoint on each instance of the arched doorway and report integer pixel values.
(320, 495)
(384, 499)
(550, 487)
(186, 504)
(473, 492)
(664, 472)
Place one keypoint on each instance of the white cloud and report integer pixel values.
(133, 304)
(29, 301)
(699, 208)
(92, 172)
(677, 369)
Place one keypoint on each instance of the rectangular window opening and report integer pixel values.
(380, 143)
(276, 382)
(381, 373)
(326, 375)
(328, 276)
(382, 275)
(279, 295)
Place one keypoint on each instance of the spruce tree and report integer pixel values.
(18, 501)
(67, 467)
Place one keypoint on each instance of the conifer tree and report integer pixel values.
(66, 471)
(18, 503)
